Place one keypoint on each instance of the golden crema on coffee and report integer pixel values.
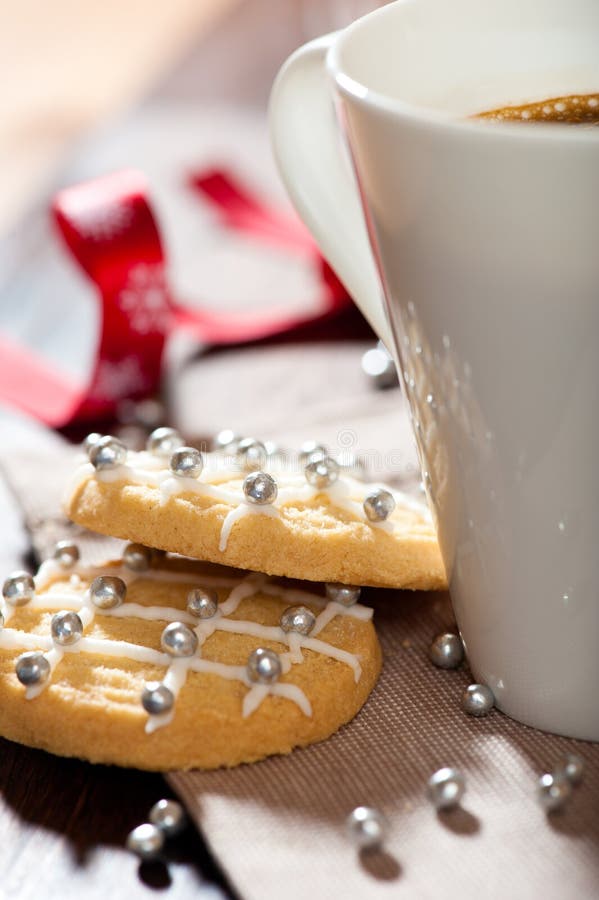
(575, 109)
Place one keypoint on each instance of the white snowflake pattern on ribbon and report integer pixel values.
(119, 378)
(144, 299)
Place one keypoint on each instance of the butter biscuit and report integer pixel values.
(310, 520)
(161, 663)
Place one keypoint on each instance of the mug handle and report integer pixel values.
(307, 146)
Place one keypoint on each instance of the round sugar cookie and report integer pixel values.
(190, 668)
(315, 525)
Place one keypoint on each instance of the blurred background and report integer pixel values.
(66, 67)
(178, 91)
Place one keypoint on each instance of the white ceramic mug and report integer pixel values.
(484, 239)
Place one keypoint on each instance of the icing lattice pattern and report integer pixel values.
(226, 486)
(76, 597)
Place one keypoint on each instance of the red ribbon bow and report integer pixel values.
(110, 229)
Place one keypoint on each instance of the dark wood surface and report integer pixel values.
(63, 825)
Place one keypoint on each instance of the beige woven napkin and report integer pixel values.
(277, 827)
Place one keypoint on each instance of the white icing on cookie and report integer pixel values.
(174, 487)
(143, 468)
(254, 697)
(75, 596)
(291, 692)
(244, 509)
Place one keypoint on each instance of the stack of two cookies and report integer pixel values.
(230, 629)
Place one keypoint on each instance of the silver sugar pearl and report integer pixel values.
(107, 591)
(379, 367)
(137, 557)
(227, 440)
(322, 472)
(66, 628)
(18, 589)
(90, 440)
(251, 455)
(169, 816)
(553, 791)
(346, 594)
(447, 651)
(379, 505)
(156, 698)
(298, 619)
(66, 553)
(187, 462)
(367, 827)
(478, 700)
(311, 451)
(264, 666)
(273, 449)
(107, 453)
(32, 668)
(202, 602)
(260, 488)
(146, 841)
(179, 640)
(571, 767)
(446, 788)
(164, 441)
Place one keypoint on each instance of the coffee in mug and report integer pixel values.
(575, 109)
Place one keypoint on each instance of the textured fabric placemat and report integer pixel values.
(277, 827)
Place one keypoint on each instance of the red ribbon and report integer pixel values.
(110, 230)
